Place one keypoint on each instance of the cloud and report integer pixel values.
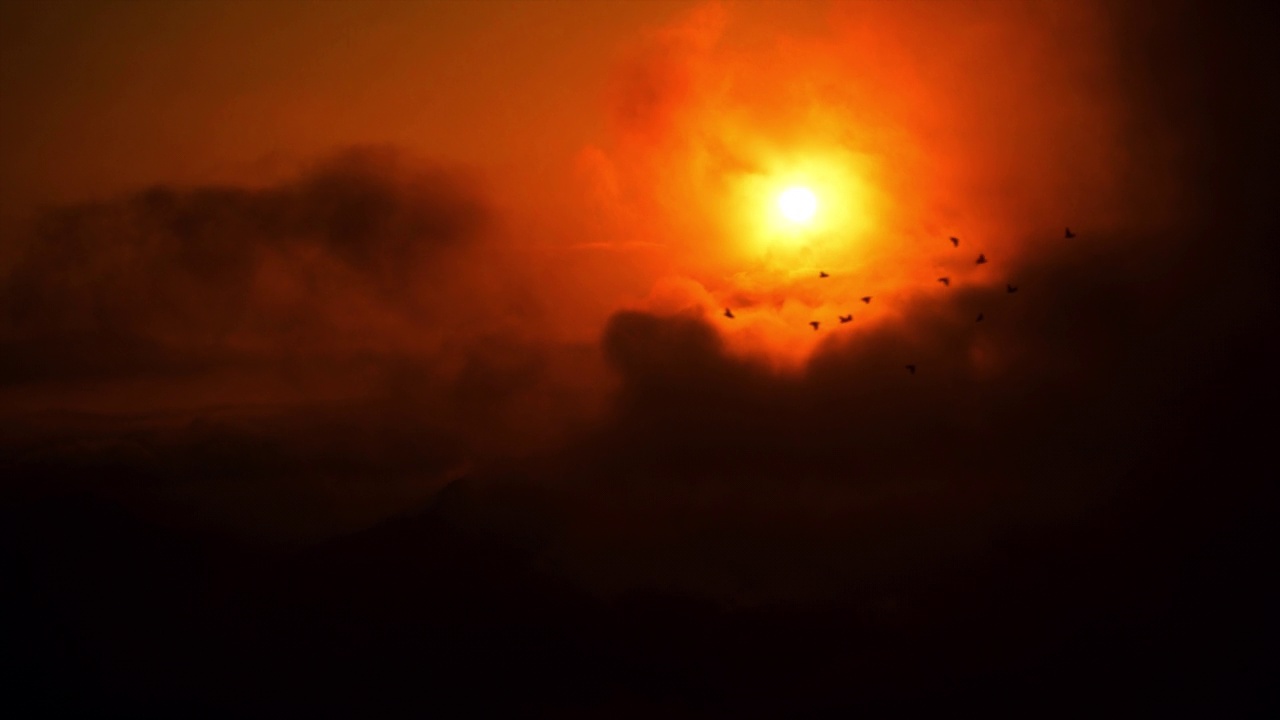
(169, 278)
(352, 336)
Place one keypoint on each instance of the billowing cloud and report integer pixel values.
(357, 327)
(172, 276)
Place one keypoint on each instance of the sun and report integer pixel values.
(798, 204)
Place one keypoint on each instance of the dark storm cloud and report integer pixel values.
(349, 348)
(1102, 403)
(1049, 408)
(1088, 350)
(169, 279)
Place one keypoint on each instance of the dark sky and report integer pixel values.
(360, 292)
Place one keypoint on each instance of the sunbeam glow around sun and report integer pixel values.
(798, 204)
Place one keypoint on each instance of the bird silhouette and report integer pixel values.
(846, 318)
(981, 258)
(1069, 234)
(945, 281)
(728, 313)
(814, 323)
(867, 299)
(1011, 288)
(911, 369)
(979, 318)
(955, 242)
(822, 274)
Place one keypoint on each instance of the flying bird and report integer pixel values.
(945, 281)
(911, 369)
(981, 258)
(867, 299)
(1011, 288)
(846, 318)
(955, 242)
(1070, 234)
(822, 274)
(814, 323)
(728, 313)
(979, 318)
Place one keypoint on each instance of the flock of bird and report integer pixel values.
(946, 282)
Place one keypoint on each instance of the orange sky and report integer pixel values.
(104, 96)
(911, 122)
(629, 154)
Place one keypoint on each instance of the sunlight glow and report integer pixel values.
(798, 204)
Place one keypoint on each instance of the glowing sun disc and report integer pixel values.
(798, 204)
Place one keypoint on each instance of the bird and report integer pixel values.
(981, 258)
(911, 369)
(728, 313)
(979, 318)
(867, 299)
(846, 318)
(822, 274)
(814, 323)
(1011, 288)
(1069, 234)
(955, 242)
(945, 281)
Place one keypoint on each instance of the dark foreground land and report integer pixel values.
(1141, 609)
